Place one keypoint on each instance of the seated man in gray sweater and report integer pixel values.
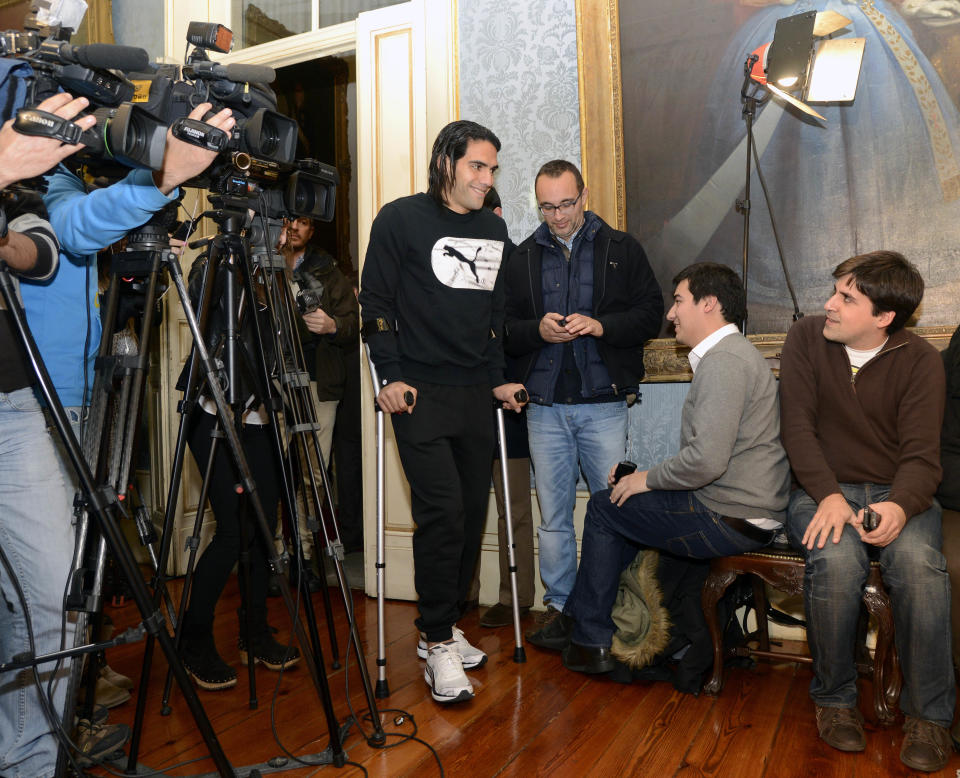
(724, 493)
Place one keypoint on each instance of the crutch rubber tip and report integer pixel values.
(382, 690)
(519, 655)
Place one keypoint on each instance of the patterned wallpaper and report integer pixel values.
(518, 76)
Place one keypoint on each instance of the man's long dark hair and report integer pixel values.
(450, 146)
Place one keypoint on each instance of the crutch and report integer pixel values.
(519, 654)
(382, 689)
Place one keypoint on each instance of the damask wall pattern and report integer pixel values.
(518, 76)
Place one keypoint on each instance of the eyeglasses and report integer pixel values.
(547, 209)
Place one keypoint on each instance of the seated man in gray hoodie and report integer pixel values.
(724, 493)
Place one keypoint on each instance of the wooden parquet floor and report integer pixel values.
(532, 719)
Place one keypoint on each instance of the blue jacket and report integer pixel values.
(627, 301)
(63, 311)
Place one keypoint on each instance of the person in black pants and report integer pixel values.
(347, 453)
(431, 303)
(237, 536)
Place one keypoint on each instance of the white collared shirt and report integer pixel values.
(699, 351)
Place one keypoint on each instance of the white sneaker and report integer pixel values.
(444, 675)
(471, 655)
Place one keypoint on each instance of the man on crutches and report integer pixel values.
(432, 312)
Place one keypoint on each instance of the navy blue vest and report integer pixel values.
(569, 372)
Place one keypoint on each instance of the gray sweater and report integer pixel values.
(730, 454)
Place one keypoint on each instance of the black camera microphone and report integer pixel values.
(105, 56)
(252, 74)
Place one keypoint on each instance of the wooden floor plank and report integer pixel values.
(531, 719)
(648, 743)
(738, 731)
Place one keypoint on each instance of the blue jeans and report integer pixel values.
(36, 536)
(914, 573)
(676, 522)
(564, 438)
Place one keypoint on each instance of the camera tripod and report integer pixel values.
(154, 259)
(229, 249)
(104, 505)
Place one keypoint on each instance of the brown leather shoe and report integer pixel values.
(501, 615)
(555, 632)
(926, 746)
(841, 728)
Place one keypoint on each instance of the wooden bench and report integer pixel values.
(783, 569)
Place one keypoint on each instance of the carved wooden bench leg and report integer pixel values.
(716, 584)
(886, 670)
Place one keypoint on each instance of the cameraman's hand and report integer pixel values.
(319, 323)
(391, 397)
(25, 156)
(181, 160)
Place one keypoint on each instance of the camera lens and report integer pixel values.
(134, 138)
(269, 140)
(304, 197)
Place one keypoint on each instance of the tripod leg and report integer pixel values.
(327, 604)
(245, 617)
(193, 544)
(519, 654)
(316, 671)
(152, 619)
(307, 441)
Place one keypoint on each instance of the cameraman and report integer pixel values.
(63, 310)
(35, 500)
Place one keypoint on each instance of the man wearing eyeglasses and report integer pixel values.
(581, 301)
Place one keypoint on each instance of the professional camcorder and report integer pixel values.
(135, 103)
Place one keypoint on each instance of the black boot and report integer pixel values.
(204, 664)
(268, 652)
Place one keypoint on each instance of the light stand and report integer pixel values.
(821, 71)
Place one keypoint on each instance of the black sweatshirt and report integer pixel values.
(431, 294)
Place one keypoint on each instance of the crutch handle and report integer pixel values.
(520, 396)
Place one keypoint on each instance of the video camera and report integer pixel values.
(135, 103)
(123, 134)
